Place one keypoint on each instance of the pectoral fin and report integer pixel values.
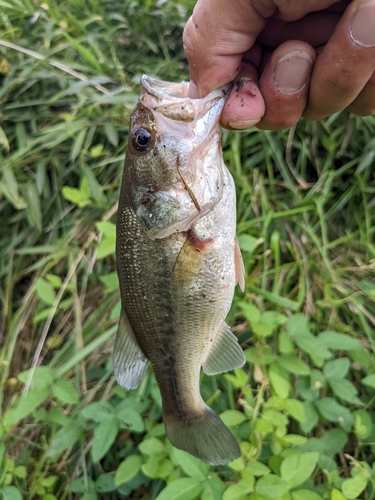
(129, 362)
(239, 265)
(225, 353)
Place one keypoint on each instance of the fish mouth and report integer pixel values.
(172, 101)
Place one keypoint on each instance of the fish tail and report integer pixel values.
(205, 436)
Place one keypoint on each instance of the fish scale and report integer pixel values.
(178, 263)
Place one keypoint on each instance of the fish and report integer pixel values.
(178, 261)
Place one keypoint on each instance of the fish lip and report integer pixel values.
(168, 90)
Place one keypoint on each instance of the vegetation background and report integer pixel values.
(303, 408)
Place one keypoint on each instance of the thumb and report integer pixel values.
(215, 38)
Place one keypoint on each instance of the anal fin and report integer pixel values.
(225, 353)
(129, 362)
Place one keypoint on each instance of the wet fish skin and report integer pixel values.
(178, 263)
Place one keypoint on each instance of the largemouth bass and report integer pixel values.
(178, 261)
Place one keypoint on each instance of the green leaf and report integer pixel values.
(232, 417)
(247, 242)
(279, 380)
(294, 439)
(42, 377)
(107, 228)
(104, 436)
(192, 466)
(11, 493)
(317, 380)
(344, 390)
(260, 355)
(111, 133)
(338, 341)
(20, 471)
(184, 488)
(337, 368)
(98, 411)
(45, 291)
(311, 346)
(369, 381)
(362, 424)
(334, 440)
(275, 417)
(331, 410)
(286, 346)
(306, 391)
(111, 282)
(305, 495)
(238, 464)
(75, 196)
(128, 469)
(65, 392)
(272, 486)
(296, 409)
(297, 325)
(293, 364)
(295, 469)
(55, 280)
(337, 495)
(258, 468)
(106, 247)
(105, 483)
(25, 405)
(64, 439)
(81, 484)
(152, 446)
(157, 466)
(130, 419)
(10, 188)
(34, 211)
(239, 491)
(354, 486)
(213, 488)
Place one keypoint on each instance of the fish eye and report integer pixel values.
(142, 139)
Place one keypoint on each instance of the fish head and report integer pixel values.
(174, 159)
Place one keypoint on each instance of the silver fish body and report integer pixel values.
(178, 262)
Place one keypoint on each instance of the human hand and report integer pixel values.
(269, 48)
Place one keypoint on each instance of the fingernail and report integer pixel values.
(242, 125)
(292, 72)
(193, 91)
(362, 30)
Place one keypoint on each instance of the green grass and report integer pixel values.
(69, 78)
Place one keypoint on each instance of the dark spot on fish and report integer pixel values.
(203, 295)
(155, 285)
(147, 201)
(152, 187)
(167, 274)
(197, 250)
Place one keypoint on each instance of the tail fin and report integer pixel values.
(205, 436)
